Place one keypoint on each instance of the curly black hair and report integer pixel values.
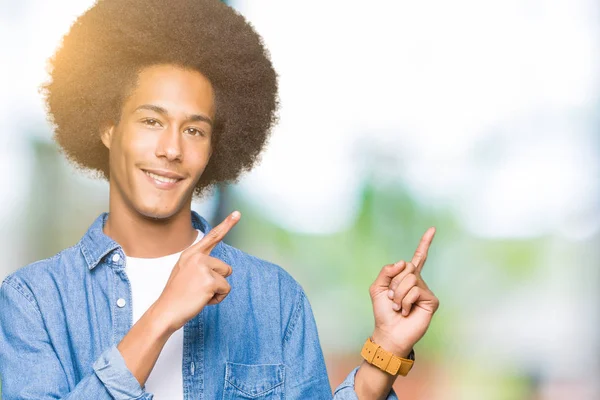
(97, 65)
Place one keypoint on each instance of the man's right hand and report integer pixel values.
(197, 279)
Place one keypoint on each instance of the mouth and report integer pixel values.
(163, 179)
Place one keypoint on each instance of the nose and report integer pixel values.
(169, 145)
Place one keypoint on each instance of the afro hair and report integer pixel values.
(98, 62)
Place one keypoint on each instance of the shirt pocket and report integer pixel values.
(257, 381)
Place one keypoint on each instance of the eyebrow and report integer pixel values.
(163, 111)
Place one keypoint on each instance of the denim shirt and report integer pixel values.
(62, 318)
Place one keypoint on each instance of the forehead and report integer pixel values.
(174, 88)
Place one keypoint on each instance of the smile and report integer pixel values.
(161, 178)
(161, 181)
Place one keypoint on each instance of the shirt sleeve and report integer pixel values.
(346, 389)
(30, 368)
(306, 374)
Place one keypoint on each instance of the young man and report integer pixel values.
(165, 99)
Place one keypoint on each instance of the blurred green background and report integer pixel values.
(478, 118)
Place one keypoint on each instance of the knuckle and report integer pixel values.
(387, 269)
(210, 281)
(196, 262)
(214, 233)
(435, 302)
(185, 256)
(372, 290)
(411, 279)
(218, 298)
(223, 269)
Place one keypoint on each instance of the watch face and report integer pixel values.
(411, 355)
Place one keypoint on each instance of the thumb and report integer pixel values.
(387, 273)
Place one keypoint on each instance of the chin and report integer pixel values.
(159, 211)
(157, 204)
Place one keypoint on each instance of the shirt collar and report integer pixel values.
(95, 245)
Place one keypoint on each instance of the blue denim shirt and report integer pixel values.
(60, 323)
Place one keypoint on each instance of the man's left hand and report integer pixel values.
(403, 305)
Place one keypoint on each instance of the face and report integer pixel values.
(162, 143)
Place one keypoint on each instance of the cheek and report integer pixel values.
(198, 159)
(137, 146)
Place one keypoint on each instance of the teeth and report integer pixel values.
(160, 178)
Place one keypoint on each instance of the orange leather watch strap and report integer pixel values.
(384, 360)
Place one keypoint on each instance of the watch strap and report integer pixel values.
(386, 361)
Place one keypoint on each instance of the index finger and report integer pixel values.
(216, 234)
(420, 256)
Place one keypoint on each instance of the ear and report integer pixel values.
(106, 135)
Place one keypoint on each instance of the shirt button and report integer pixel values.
(116, 258)
(192, 368)
(121, 303)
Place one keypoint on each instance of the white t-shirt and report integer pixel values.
(148, 277)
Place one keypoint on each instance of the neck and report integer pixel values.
(146, 237)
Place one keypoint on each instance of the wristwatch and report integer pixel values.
(386, 361)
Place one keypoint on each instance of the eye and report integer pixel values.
(194, 132)
(151, 122)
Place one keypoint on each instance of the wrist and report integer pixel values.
(399, 349)
(371, 382)
(159, 321)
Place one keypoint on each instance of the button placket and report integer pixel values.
(121, 302)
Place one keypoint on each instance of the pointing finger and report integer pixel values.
(216, 234)
(420, 255)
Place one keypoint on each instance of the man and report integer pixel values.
(165, 99)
